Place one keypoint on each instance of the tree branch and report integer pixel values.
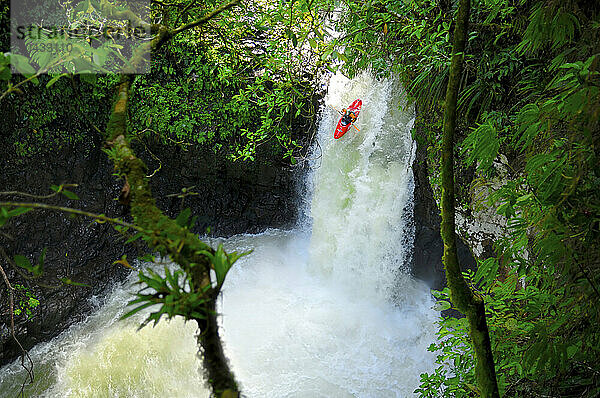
(29, 195)
(465, 300)
(72, 211)
(206, 17)
(186, 9)
(184, 247)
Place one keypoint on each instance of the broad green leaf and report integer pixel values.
(22, 65)
(23, 262)
(18, 211)
(136, 309)
(69, 194)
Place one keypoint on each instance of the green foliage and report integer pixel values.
(531, 94)
(531, 348)
(6, 213)
(65, 192)
(198, 94)
(213, 89)
(276, 105)
(46, 121)
(550, 25)
(24, 262)
(172, 292)
(178, 292)
(237, 90)
(221, 262)
(25, 302)
(184, 221)
(92, 50)
(483, 143)
(209, 102)
(455, 375)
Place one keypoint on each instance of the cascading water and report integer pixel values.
(332, 312)
(324, 310)
(362, 203)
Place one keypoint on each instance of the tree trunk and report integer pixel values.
(464, 299)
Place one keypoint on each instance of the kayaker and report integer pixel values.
(349, 116)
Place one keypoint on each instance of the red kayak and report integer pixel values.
(345, 123)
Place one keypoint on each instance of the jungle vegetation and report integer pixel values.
(525, 139)
(526, 143)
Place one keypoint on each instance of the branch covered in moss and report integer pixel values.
(169, 238)
(463, 297)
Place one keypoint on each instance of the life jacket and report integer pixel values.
(348, 118)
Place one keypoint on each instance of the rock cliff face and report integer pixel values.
(427, 257)
(228, 197)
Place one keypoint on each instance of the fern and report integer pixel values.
(548, 28)
(483, 144)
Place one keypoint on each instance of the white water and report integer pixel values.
(325, 310)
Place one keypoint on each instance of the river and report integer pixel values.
(327, 309)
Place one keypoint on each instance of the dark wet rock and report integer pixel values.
(428, 248)
(76, 248)
(228, 197)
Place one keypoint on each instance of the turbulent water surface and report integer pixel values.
(324, 310)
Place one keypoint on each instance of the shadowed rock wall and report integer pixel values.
(230, 198)
(427, 257)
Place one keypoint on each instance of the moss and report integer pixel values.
(117, 124)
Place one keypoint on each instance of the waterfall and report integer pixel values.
(327, 309)
(330, 311)
(362, 204)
